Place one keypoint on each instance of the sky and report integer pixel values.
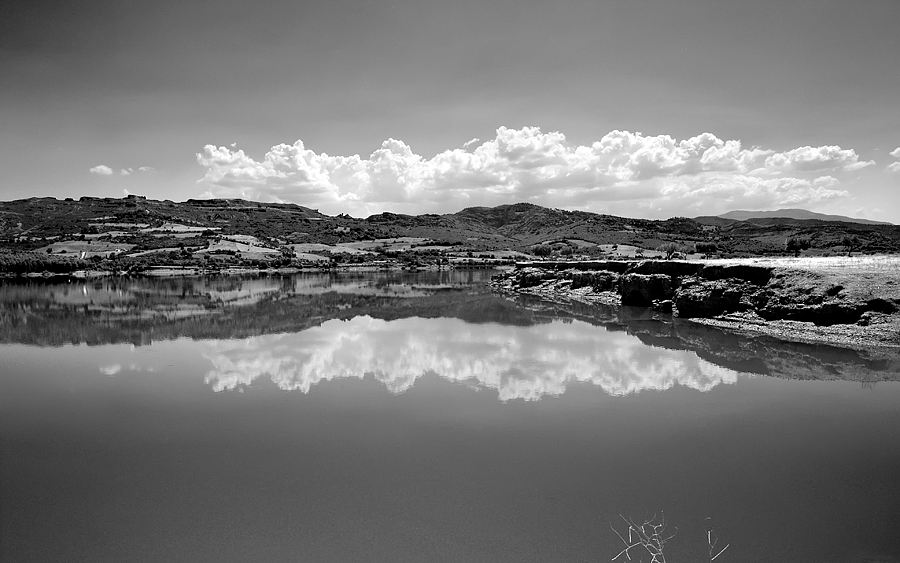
(634, 108)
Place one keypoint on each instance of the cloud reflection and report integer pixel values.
(519, 362)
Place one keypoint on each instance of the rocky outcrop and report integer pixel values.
(710, 298)
(804, 296)
(671, 268)
(597, 281)
(756, 275)
(617, 266)
(642, 290)
(533, 277)
(698, 290)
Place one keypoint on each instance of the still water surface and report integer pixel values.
(421, 418)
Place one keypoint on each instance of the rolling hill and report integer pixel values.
(154, 232)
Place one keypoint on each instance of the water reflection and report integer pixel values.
(140, 311)
(519, 362)
(309, 327)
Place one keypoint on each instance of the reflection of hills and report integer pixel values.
(139, 311)
(793, 360)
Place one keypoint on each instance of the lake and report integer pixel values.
(420, 417)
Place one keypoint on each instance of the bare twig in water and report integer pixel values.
(651, 536)
(712, 540)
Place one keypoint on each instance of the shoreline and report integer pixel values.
(176, 271)
(846, 302)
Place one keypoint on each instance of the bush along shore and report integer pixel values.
(849, 304)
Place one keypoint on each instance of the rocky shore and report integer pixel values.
(853, 304)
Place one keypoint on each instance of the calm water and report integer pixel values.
(421, 418)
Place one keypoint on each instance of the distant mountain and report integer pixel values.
(795, 214)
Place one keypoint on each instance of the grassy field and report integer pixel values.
(872, 265)
(862, 276)
(75, 248)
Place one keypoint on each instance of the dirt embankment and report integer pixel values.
(853, 302)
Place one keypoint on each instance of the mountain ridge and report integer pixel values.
(795, 213)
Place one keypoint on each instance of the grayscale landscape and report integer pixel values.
(495, 281)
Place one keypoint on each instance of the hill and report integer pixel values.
(741, 215)
(136, 233)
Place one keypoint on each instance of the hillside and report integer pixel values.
(135, 233)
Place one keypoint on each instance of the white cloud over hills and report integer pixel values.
(104, 170)
(622, 171)
(518, 362)
(101, 170)
(894, 166)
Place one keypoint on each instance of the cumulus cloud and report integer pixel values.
(698, 175)
(518, 362)
(894, 166)
(816, 158)
(101, 170)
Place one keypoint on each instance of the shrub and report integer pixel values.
(796, 244)
(541, 250)
(668, 248)
(706, 247)
(850, 242)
